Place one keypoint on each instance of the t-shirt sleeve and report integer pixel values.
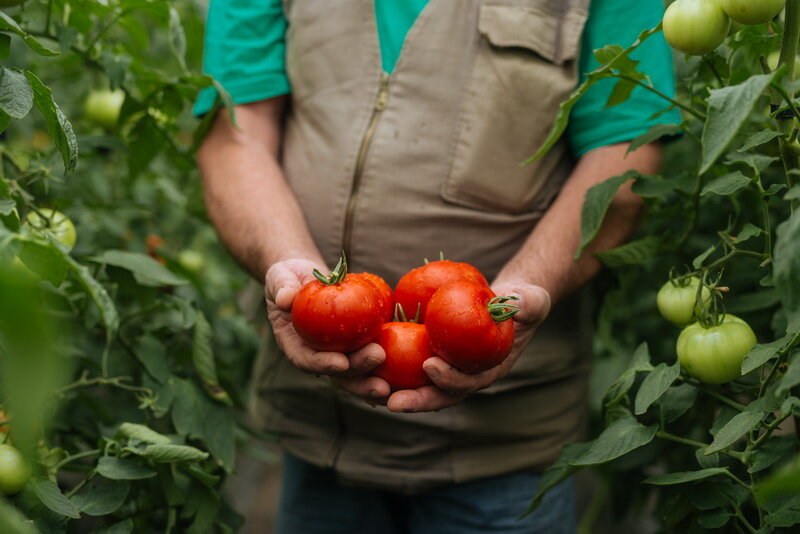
(244, 51)
(592, 125)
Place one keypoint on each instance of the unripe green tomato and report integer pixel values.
(678, 303)
(774, 57)
(753, 11)
(191, 260)
(103, 106)
(11, 3)
(695, 26)
(53, 223)
(714, 355)
(14, 470)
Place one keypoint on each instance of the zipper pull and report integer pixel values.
(383, 93)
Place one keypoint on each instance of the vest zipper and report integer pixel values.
(380, 104)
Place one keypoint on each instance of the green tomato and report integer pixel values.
(696, 26)
(103, 106)
(14, 470)
(191, 260)
(753, 11)
(54, 223)
(677, 301)
(714, 355)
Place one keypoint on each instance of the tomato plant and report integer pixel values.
(341, 312)
(751, 11)
(50, 222)
(469, 326)
(696, 26)
(677, 300)
(103, 106)
(407, 346)
(14, 470)
(713, 354)
(416, 287)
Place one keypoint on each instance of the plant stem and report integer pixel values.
(678, 439)
(770, 429)
(791, 37)
(78, 456)
(700, 116)
(722, 398)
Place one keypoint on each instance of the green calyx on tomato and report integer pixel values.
(14, 470)
(753, 11)
(677, 300)
(714, 354)
(103, 107)
(337, 275)
(500, 311)
(54, 223)
(695, 26)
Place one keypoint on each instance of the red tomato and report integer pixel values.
(386, 292)
(469, 326)
(417, 286)
(339, 313)
(407, 345)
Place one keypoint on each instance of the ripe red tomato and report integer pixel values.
(407, 345)
(417, 286)
(386, 292)
(340, 313)
(469, 326)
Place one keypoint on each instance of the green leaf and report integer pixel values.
(56, 122)
(760, 138)
(655, 385)
(772, 450)
(748, 231)
(787, 269)
(640, 361)
(698, 261)
(142, 433)
(169, 453)
(102, 499)
(16, 94)
(728, 110)
(7, 23)
(50, 496)
(195, 416)
(633, 253)
(121, 469)
(677, 401)
(781, 486)
(7, 206)
(761, 354)
(152, 354)
(595, 205)
(726, 185)
(177, 37)
(685, 476)
(203, 358)
(714, 519)
(791, 377)
(737, 427)
(146, 270)
(123, 527)
(45, 260)
(13, 522)
(620, 93)
(650, 186)
(5, 45)
(620, 438)
(654, 133)
(98, 294)
(558, 472)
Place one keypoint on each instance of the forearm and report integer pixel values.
(248, 200)
(547, 256)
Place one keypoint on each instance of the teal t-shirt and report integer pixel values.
(245, 49)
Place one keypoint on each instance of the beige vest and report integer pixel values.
(395, 169)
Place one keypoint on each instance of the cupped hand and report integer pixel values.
(281, 284)
(451, 386)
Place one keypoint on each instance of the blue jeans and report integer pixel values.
(313, 502)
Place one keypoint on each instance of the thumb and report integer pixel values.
(281, 286)
(534, 301)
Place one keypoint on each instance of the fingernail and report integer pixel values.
(433, 373)
(334, 369)
(375, 394)
(373, 361)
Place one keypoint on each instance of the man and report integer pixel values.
(392, 130)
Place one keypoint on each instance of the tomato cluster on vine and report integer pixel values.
(443, 308)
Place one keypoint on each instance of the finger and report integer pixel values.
(534, 301)
(424, 399)
(450, 379)
(372, 389)
(367, 358)
(281, 285)
(307, 359)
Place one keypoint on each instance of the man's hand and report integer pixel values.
(451, 386)
(281, 284)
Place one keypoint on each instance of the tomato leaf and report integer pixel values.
(7, 23)
(685, 476)
(142, 433)
(761, 354)
(121, 469)
(737, 427)
(558, 472)
(787, 269)
(772, 450)
(620, 438)
(56, 122)
(102, 499)
(50, 496)
(146, 270)
(169, 453)
(123, 527)
(653, 134)
(714, 519)
(760, 138)
(595, 206)
(640, 361)
(655, 385)
(45, 260)
(13, 522)
(16, 94)
(634, 253)
(727, 185)
(204, 362)
(728, 110)
(791, 377)
(677, 401)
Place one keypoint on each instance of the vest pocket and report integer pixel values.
(523, 68)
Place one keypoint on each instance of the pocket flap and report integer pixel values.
(555, 37)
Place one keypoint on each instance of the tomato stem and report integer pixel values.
(500, 311)
(337, 275)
